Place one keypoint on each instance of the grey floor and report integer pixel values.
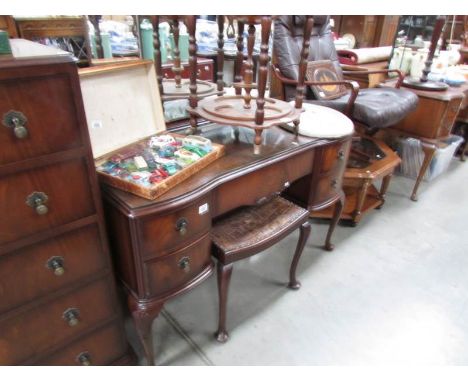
(394, 291)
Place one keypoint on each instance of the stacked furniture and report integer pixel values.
(58, 302)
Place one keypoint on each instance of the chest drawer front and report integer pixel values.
(166, 233)
(67, 198)
(33, 332)
(174, 270)
(48, 105)
(97, 349)
(48, 266)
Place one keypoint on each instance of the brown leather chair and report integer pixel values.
(372, 108)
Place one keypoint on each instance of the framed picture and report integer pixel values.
(322, 71)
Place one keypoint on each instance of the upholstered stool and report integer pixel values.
(251, 230)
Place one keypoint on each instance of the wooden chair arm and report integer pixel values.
(353, 85)
(401, 75)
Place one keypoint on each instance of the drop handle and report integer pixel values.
(184, 264)
(17, 121)
(38, 201)
(55, 264)
(84, 359)
(341, 155)
(72, 316)
(334, 184)
(181, 226)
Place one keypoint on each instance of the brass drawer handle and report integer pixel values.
(341, 155)
(181, 226)
(38, 201)
(56, 265)
(72, 316)
(84, 359)
(16, 120)
(334, 184)
(184, 264)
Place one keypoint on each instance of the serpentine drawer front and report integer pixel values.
(36, 270)
(173, 271)
(162, 234)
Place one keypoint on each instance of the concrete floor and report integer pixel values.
(394, 291)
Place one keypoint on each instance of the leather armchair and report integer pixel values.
(372, 108)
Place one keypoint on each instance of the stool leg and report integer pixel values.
(303, 236)
(224, 277)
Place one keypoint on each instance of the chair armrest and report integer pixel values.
(401, 76)
(353, 85)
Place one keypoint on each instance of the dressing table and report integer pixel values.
(162, 247)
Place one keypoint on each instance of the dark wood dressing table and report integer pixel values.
(162, 247)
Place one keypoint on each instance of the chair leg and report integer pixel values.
(224, 277)
(303, 236)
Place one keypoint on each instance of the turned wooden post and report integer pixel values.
(300, 88)
(193, 101)
(177, 67)
(240, 55)
(157, 53)
(97, 34)
(248, 74)
(262, 71)
(440, 21)
(220, 58)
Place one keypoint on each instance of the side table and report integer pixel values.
(431, 122)
(370, 160)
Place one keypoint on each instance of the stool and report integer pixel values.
(248, 231)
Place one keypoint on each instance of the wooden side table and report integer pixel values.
(370, 160)
(431, 122)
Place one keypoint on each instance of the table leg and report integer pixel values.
(339, 205)
(303, 236)
(360, 202)
(429, 151)
(143, 315)
(384, 187)
(224, 277)
(464, 129)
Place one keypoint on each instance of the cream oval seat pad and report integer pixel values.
(323, 122)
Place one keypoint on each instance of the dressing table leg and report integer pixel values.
(303, 236)
(143, 315)
(339, 205)
(224, 277)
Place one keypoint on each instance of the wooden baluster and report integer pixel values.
(157, 53)
(263, 70)
(439, 24)
(193, 101)
(240, 55)
(248, 74)
(220, 58)
(177, 68)
(300, 88)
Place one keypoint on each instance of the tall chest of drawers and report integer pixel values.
(58, 301)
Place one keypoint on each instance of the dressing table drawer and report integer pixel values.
(173, 271)
(334, 157)
(162, 234)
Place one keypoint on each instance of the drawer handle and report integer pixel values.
(334, 184)
(72, 316)
(181, 226)
(38, 201)
(84, 359)
(16, 120)
(184, 264)
(341, 155)
(198, 72)
(56, 265)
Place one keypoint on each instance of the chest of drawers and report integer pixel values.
(58, 302)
